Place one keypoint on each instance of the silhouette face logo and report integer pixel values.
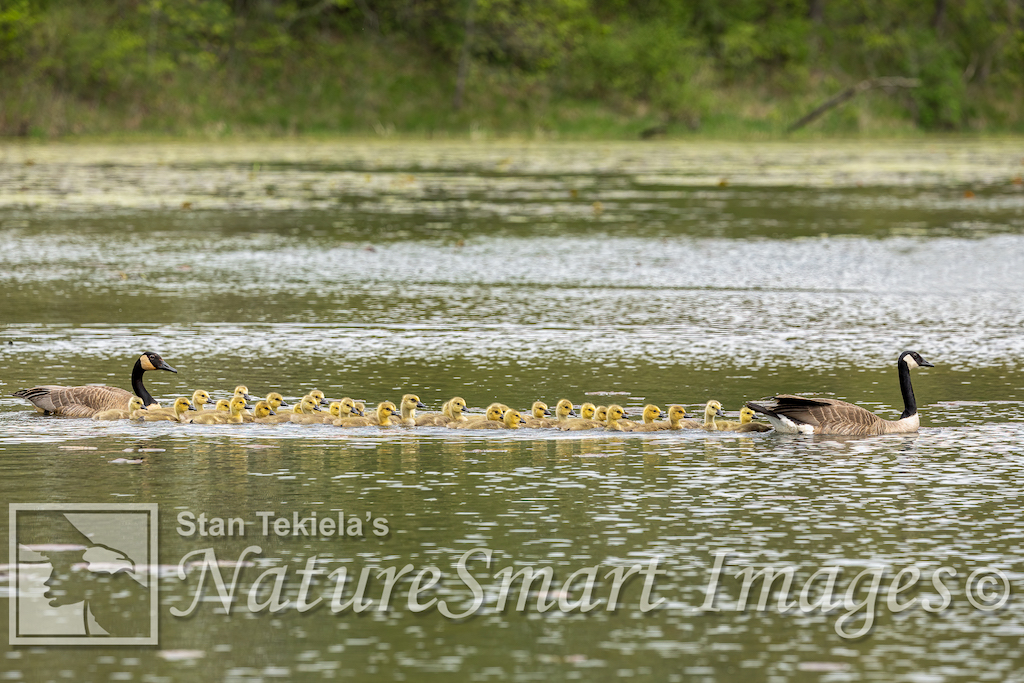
(82, 574)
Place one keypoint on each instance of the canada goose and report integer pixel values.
(450, 410)
(650, 414)
(408, 406)
(310, 407)
(86, 401)
(223, 406)
(601, 414)
(262, 412)
(563, 411)
(382, 418)
(676, 413)
(615, 414)
(135, 403)
(584, 421)
(318, 396)
(243, 391)
(712, 410)
(511, 420)
(494, 413)
(217, 417)
(198, 399)
(798, 415)
(181, 406)
(745, 423)
(539, 412)
(275, 401)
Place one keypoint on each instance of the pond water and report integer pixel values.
(629, 273)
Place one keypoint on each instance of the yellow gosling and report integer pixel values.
(585, 421)
(223, 405)
(539, 412)
(382, 418)
(275, 401)
(712, 410)
(676, 421)
(494, 413)
(180, 407)
(601, 414)
(745, 424)
(615, 415)
(563, 411)
(217, 417)
(650, 414)
(511, 420)
(309, 407)
(135, 403)
(262, 413)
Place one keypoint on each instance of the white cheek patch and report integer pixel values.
(911, 363)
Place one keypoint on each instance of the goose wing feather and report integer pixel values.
(75, 401)
(826, 415)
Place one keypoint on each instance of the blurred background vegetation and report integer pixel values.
(538, 68)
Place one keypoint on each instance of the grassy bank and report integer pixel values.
(209, 69)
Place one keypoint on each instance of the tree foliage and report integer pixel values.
(666, 55)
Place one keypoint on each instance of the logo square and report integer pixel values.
(83, 574)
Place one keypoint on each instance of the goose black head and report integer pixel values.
(913, 360)
(152, 361)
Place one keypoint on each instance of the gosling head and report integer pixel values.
(200, 398)
(714, 409)
(336, 408)
(615, 412)
(309, 405)
(746, 414)
(359, 409)
(563, 409)
(276, 400)
(347, 407)
(587, 411)
(456, 405)
(135, 403)
(262, 409)
(513, 419)
(410, 402)
(651, 413)
(601, 414)
(318, 396)
(237, 405)
(223, 404)
(243, 391)
(152, 361)
(494, 412)
(181, 404)
(384, 412)
(676, 413)
(540, 409)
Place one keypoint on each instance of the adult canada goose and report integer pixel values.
(382, 418)
(493, 413)
(181, 406)
(135, 403)
(510, 420)
(651, 413)
(88, 400)
(745, 423)
(584, 421)
(798, 415)
(676, 421)
(712, 410)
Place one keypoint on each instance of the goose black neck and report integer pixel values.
(140, 390)
(909, 402)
